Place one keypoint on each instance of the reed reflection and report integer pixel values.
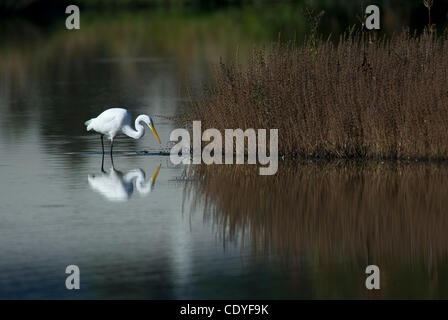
(370, 212)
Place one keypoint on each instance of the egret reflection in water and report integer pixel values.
(118, 186)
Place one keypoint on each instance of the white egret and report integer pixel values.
(118, 120)
(118, 186)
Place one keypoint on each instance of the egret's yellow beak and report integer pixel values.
(155, 132)
(154, 177)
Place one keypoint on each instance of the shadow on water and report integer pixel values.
(331, 220)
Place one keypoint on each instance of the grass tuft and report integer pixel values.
(359, 98)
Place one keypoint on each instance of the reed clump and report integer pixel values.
(363, 97)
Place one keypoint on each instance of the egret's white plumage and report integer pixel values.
(116, 121)
(116, 186)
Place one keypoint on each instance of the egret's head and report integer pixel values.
(150, 123)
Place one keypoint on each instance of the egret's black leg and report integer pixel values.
(102, 164)
(102, 143)
(102, 157)
(111, 157)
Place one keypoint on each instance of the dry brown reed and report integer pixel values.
(364, 97)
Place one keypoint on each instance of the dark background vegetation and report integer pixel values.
(339, 14)
(343, 7)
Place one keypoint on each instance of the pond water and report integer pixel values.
(144, 231)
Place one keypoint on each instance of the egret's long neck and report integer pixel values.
(138, 176)
(139, 129)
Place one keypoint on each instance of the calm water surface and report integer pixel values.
(308, 232)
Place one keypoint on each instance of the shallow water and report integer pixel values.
(57, 208)
(308, 232)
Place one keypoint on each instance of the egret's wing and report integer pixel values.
(107, 123)
(110, 187)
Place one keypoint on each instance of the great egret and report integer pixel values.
(118, 120)
(118, 186)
